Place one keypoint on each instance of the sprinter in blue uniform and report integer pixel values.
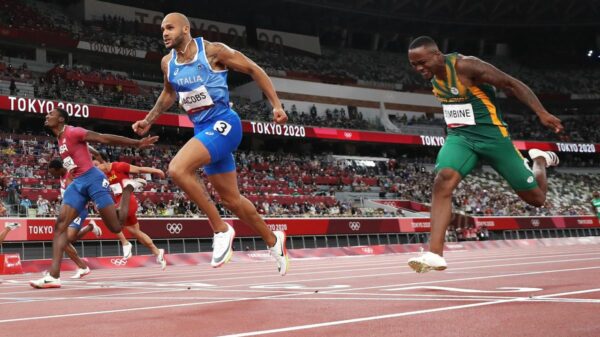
(195, 75)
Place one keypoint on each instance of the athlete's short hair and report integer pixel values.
(422, 41)
(55, 163)
(64, 114)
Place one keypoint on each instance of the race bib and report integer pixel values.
(195, 100)
(116, 189)
(222, 127)
(69, 164)
(457, 115)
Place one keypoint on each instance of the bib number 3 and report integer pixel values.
(222, 127)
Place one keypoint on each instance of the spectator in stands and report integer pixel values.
(13, 87)
(42, 206)
(25, 204)
(313, 112)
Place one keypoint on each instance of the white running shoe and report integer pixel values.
(222, 247)
(12, 225)
(550, 157)
(81, 272)
(45, 282)
(279, 252)
(96, 229)
(160, 258)
(127, 250)
(426, 262)
(137, 184)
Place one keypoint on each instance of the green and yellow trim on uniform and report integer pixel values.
(453, 91)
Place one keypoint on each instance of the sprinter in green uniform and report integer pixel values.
(465, 86)
(596, 203)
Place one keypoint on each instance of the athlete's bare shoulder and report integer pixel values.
(213, 49)
(466, 61)
(214, 52)
(469, 66)
(478, 71)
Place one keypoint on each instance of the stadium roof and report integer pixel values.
(465, 12)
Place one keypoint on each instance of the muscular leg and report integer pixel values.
(71, 251)
(143, 238)
(110, 217)
(227, 187)
(537, 196)
(182, 170)
(60, 241)
(123, 206)
(113, 218)
(444, 184)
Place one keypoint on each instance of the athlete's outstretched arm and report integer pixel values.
(237, 61)
(143, 169)
(163, 103)
(483, 72)
(108, 139)
(4, 233)
(95, 154)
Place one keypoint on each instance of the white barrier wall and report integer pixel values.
(251, 91)
(349, 92)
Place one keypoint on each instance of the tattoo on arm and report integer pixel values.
(166, 97)
(160, 107)
(213, 58)
(487, 73)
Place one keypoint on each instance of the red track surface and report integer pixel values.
(354, 296)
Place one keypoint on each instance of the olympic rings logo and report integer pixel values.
(174, 228)
(354, 225)
(118, 262)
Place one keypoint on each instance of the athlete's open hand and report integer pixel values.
(279, 116)
(147, 141)
(552, 122)
(141, 127)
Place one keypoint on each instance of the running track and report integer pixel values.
(541, 291)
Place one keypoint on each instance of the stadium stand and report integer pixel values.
(290, 184)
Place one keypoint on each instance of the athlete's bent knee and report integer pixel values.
(175, 171)
(233, 203)
(61, 225)
(445, 181)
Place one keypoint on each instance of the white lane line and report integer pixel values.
(371, 265)
(541, 272)
(136, 309)
(171, 298)
(101, 296)
(387, 265)
(467, 290)
(33, 318)
(395, 315)
(382, 294)
(406, 298)
(349, 276)
(224, 288)
(193, 272)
